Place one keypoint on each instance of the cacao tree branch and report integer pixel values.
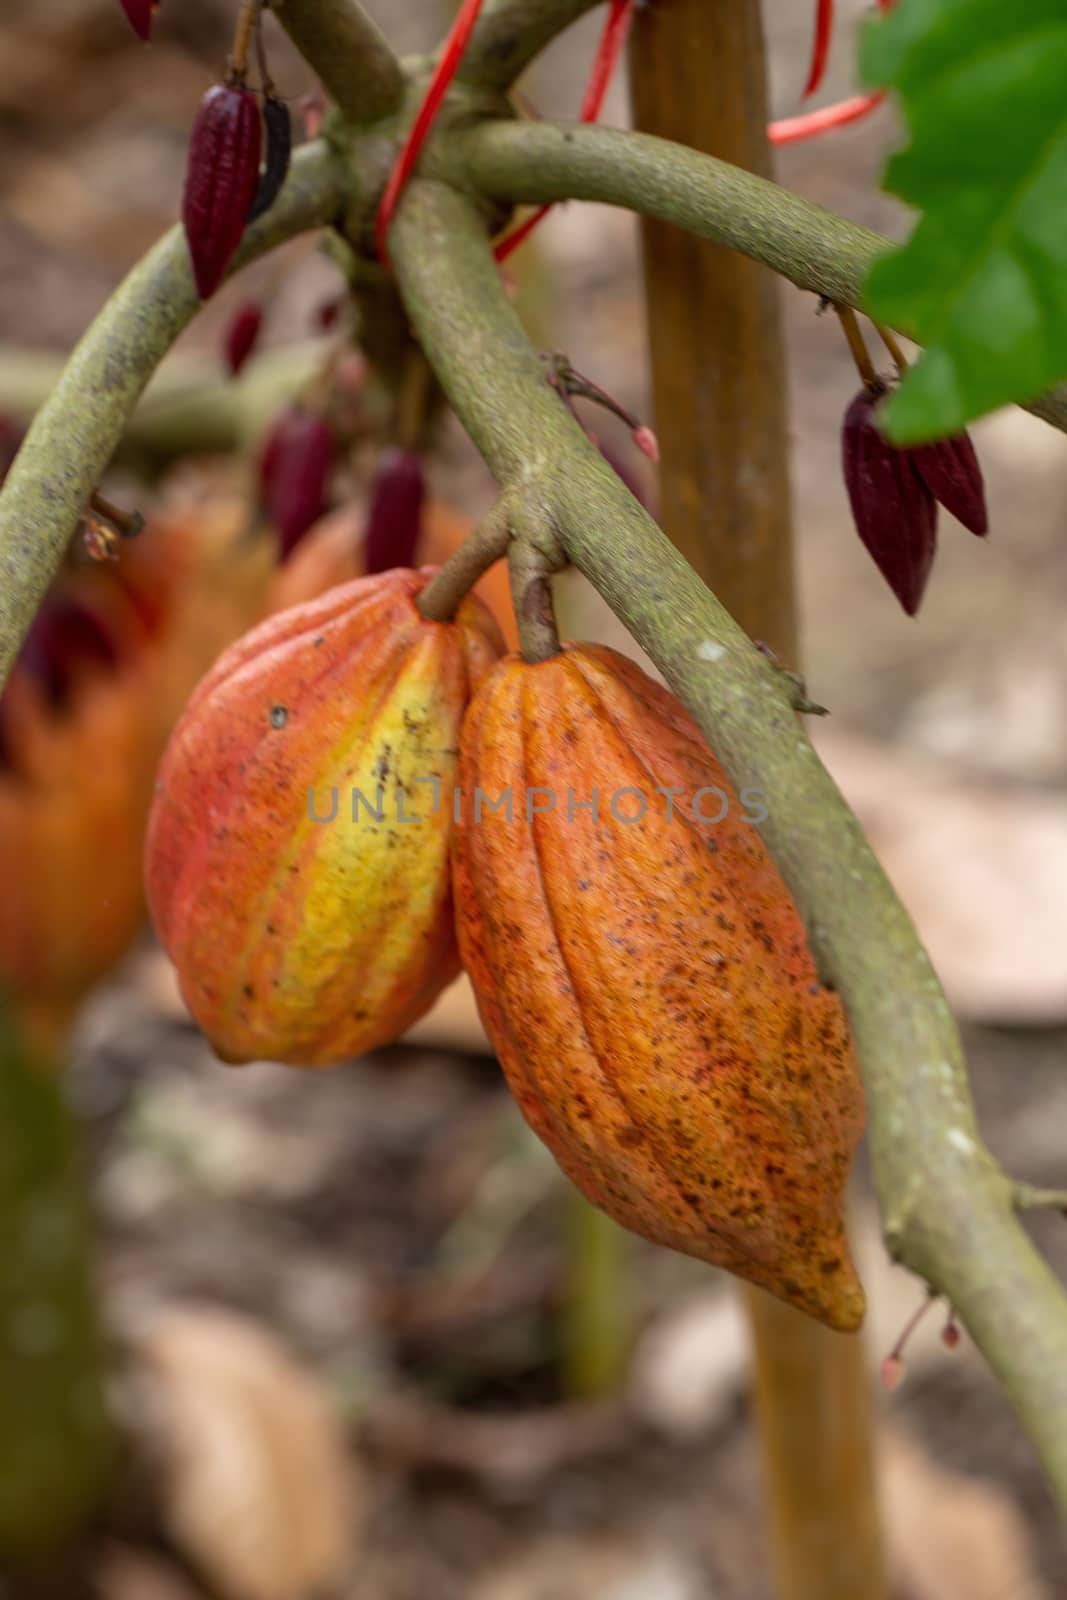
(75, 432)
(537, 162)
(349, 52)
(509, 33)
(947, 1209)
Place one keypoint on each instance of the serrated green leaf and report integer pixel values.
(982, 282)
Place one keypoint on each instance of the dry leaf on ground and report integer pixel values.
(258, 1487)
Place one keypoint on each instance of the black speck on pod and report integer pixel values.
(276, 165)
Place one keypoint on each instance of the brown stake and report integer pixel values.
(720, 402)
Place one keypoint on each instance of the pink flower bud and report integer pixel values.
(892, 1373)
(646, 442)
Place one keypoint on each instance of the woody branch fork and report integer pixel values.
(948, 1211)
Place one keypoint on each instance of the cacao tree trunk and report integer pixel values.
(55, 1439)
(698, 75)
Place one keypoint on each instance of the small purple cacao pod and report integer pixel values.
(951, 471)
(220, 179)
(276, 163)
(894, 512)
(64, 638)
(139, 14)
(294, 471)
(242, 335)
(394, 519)
(327, 312)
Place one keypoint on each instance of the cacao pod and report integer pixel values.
(644, 976)
(300, 935)
(893, 509)
(221, 176)
(242, 335)
(84, 717)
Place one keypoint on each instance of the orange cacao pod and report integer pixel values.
(647, 983)
(298, 934)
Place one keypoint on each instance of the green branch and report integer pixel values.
(349, 53)
(509, 33)
(535, 162)
(75, 432)
(947, 1209)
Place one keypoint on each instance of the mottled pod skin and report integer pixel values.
(648, 985)
(300, 936)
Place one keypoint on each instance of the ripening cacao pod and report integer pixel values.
(644, 976)
(221, 178)
(297, 854)
(106, 667)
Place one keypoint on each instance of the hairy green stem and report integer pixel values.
(535, 162)
(75, 432)
(947, 1209)
(349, 52)
(509, 33)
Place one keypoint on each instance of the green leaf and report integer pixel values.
(982, 282)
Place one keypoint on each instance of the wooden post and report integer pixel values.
(698, 75)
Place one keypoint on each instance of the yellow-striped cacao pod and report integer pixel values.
(297, 851)
(644, 976)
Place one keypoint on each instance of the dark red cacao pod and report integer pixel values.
(294, 472)
(276, 165)
(950, 470)
(221, 176)
(140, 14)
(242, 335)
(394, 518)
(894, 512)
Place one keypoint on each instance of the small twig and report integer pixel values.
(488, 543)
(266, 81)
(856, 344)
(1028, 1197)
(531, 595)
(900, 360)
(570, 382)
(247, 20)
(128, 523)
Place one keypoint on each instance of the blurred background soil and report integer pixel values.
(390, 1227)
